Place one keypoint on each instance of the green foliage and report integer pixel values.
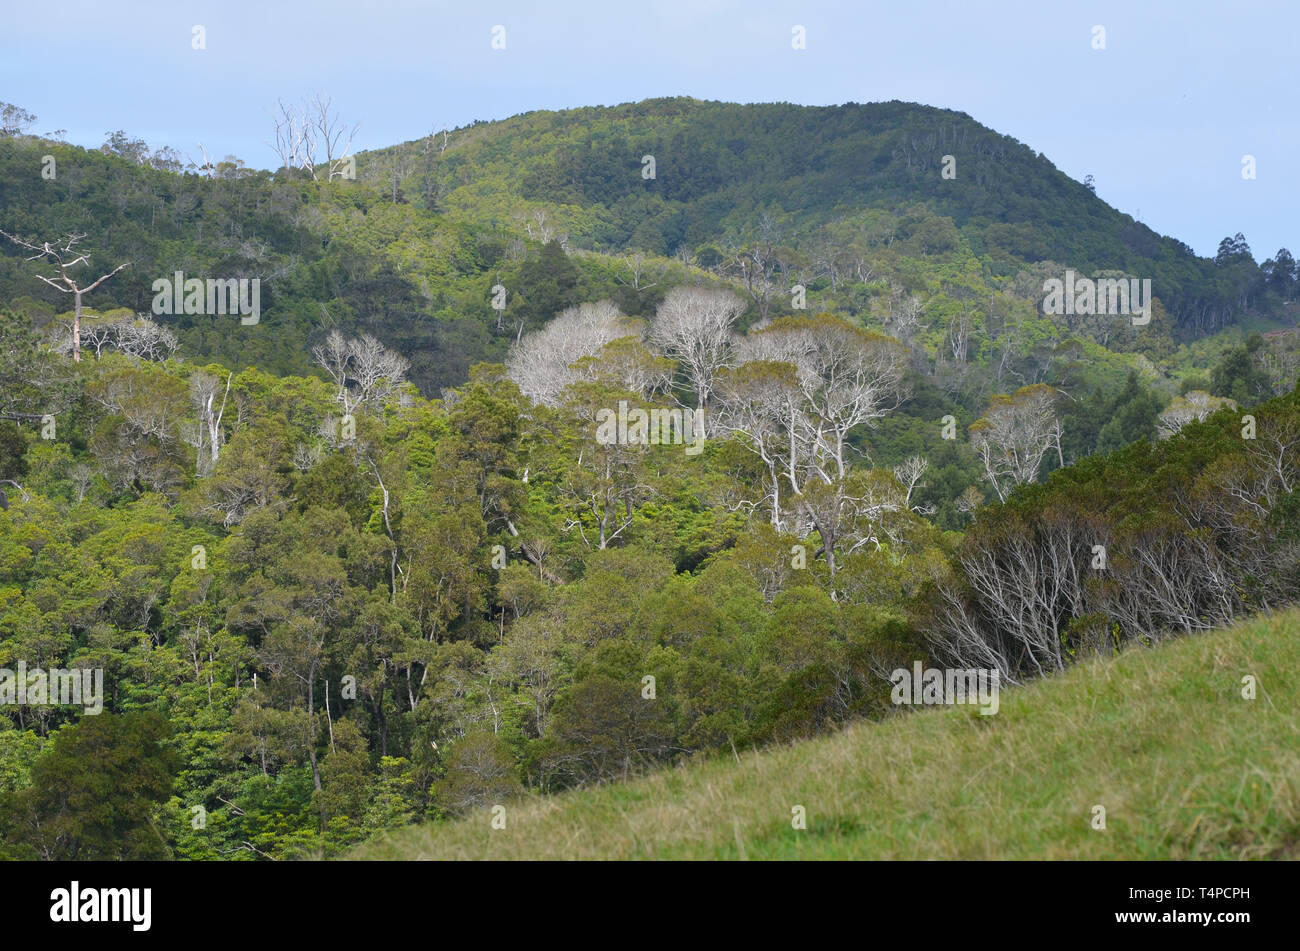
(311, 634)
(1167, 728)
(1147, 542)
(1239, 377)
(92, 792)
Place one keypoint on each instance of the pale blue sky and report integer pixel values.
(1161, 117)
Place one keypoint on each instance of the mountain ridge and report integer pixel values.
(848, 200)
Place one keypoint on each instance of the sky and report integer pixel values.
(1162, 117)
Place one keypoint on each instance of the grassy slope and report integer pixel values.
(1161, 737)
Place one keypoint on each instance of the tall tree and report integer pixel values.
(541, 362)
(64, 258)
(1015, 434)
(694, 325)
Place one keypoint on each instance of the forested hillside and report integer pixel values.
(321, 625)
(1159, 740)
(836, 183)
(533, 472)
(852, 202)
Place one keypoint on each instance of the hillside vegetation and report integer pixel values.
(479, 507)
(847, 201)
(1162, 738)
(720, 167)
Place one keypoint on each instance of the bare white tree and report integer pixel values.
(306, 456)
(1195, 406)
(636, 266)
(137, 337)
(801, 388)
(850, 513)
(696, 327)
(537, 226)
(82, 477)
(848, 377)
(204, 388)
(96, 334)
(365, 373)
(65, 257)
(757, 263)
(759, 402)
(431, 141)
(1015, 434)
(542, 362)
(904, 318)
(305, 131)
(207, 168)
(334, 136)
(858, 379)
(145, 339)
(295, 138)
(909, 475)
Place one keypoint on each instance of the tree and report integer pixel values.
(1235, 261)
(542, 363)
(1014, 435)
(93, 791)
(204, 388)
(33, 382)
(334, 136)
(1279, 359)
(847, 377)
(14, 119)
(365, 373)
(1280, 273)
(135, 151)
(1194, 406)
(137, 443)
(757, 263)
(295, 138)
(850, 513)
(1239, 377)
(480, 772)
(1233, 250)
(64, 259)
(1132, 416)
(345, 786)
(609, 482)
(250, 474)
(145, 340)
(803, 386)
(603, 729)
(301, 131)
(760, 403)
(135, 336)
(548, 283)
(694, 325)
(628, 363)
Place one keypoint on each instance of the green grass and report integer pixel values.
(1185, 767)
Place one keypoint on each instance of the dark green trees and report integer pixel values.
(93, 792)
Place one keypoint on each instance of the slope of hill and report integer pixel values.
(357, 608)
(719, 168)
(848, 200)
(1162, 738)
